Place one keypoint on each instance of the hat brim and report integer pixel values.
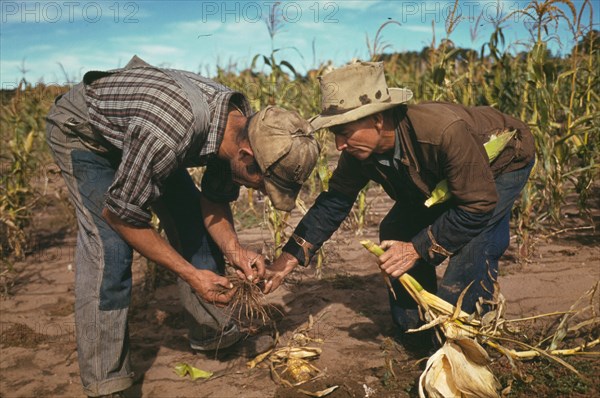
(397, 96)
(283, 198)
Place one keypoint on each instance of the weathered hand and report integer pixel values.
(276, 272)
(250, 264)
(211, 287)
(399, 257)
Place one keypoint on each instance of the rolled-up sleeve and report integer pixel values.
(145, 164)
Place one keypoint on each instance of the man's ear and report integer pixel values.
(378, 119)
(245, 154)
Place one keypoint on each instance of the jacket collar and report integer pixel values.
(405, 151)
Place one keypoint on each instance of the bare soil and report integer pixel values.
(37, 343)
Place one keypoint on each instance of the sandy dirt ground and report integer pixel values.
(38, 355)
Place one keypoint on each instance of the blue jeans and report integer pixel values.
(476, 262)
(103, 260)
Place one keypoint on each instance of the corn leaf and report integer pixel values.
(183, 369)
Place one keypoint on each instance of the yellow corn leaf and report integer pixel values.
(296, 352)
(183, 369)
(28, 144)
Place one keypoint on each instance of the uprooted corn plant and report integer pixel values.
(460, 367)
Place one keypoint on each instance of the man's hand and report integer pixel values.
(399, 257)
(213, 288)
(219, 223)
(210, 286)
(276, 272)
(250, 264)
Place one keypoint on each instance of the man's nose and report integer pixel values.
(340, 142)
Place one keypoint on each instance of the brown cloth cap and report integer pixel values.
(286, 152)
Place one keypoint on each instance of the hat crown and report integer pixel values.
(353, 86)
(285, 150)
(355, 91)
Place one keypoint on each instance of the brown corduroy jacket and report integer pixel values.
(434, 141)
(439, 141)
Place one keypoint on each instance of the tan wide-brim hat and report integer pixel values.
(354, 91)
(286, 152)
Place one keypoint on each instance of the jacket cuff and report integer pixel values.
(303, 253)
(426, 245)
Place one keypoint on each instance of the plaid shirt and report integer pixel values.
(147, 115)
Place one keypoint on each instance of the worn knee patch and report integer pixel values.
(115, 288)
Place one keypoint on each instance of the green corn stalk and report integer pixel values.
(493, 148)
(360, 212)
(276, 220)
(22, 143)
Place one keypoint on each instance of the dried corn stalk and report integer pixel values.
(492, 329)
(291, 365)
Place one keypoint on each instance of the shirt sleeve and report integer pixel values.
(473, 188)
(320, 222)
(330, 209)
(146, 162)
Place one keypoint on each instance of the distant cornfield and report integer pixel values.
(556, 96)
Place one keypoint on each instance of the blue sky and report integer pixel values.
(198, 35)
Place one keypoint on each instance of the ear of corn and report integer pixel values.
(453, 372)
(493, 148)
(497, 143)
(422, 296)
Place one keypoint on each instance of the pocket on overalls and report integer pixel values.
(83, 130)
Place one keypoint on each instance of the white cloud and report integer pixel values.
(160, 50)
(352, 4)
(196, 27)
(417, 28)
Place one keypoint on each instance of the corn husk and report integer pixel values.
(319, 394)
(458, 369)
(493, 148)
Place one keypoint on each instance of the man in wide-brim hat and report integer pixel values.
(409, 149)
